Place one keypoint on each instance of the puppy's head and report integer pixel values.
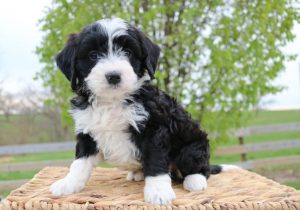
(108, 58)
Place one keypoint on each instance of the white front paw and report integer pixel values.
(66, 186)
(158, 190)
(195, 182)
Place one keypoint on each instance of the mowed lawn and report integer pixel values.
(275, 117)
(264, 118)
(275, 172)
(259, 119)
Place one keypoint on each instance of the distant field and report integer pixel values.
(275, 117)
(266, 118)
(270, 118)
(259, 119)
(22, 129)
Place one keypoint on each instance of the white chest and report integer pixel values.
(108, 124)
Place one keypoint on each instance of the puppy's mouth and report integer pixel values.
(116, 86)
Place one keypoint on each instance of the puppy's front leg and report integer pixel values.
(81, 168)
(158, 184)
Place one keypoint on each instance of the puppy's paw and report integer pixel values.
(158, 190)
(135, 176)
(226, 167)
(129, 176)
(66, 186)
(195, 182)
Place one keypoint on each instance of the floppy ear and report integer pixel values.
(65, 60)
(151, 54)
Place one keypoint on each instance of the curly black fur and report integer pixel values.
(170, 136)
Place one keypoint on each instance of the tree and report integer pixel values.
(7, 103)
(219, 57)
(32, 109)
(28, 119)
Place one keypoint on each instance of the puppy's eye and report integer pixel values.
(93, 55)
(128, 53)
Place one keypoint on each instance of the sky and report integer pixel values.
(20, 34)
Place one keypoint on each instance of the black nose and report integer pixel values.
(113, 78)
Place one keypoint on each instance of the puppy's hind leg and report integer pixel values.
(87, 157)
(135, 176)
(193, 164)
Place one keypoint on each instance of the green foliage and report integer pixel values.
(218, 57)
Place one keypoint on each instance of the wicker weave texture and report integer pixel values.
(108, 189)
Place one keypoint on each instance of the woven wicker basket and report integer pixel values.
(108, 189)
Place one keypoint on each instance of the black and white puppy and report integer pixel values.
(122, 119)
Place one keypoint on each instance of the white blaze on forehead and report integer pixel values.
(113, 27)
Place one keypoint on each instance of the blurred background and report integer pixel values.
(233, 64)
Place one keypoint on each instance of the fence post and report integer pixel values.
(243, 155)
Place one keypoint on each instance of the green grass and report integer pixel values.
(4, 193)
(295, 185)
(255, 156)
(266, 117)
(29, 174)
(4, 176)
(16, 175)
(275, 117)
(278, 136)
